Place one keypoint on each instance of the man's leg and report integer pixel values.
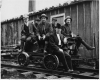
(68, 59)
(46, 43)
(79, 41)
(62, 58)
(23, 39)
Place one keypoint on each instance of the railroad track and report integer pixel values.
(88, 70)
(75, 74)
(78, 68)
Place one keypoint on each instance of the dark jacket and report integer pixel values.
(66, 31)
(53, 26)
(45, 29)
(28, 30)
(25, 30)
(53, 42)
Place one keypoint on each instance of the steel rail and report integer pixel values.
(87, 70)
(53, 72)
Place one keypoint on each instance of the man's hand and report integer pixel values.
(61, 50)
(65, 40)
(73, 35)
(39, 37)
(44, 36)
(28, 39)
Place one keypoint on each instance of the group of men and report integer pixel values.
(52, 34)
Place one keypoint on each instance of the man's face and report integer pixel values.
(58, 31)
(43, 19)
(26, 19)
(68, 21)
(54, 22)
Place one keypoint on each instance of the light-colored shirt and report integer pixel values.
(59, 39)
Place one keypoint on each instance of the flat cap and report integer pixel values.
(44, 15)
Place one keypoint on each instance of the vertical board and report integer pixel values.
(88, 26)
(80, 24)
(97, 29)
(61, 10)
(81, 20)
(2, 34)
(67, 11)
(20, 22)
(53, 12)
(4, 38)
(48, 14)
(57, 11)
(16, 33)
(74, 19)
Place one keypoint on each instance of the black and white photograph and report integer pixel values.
(49, 39)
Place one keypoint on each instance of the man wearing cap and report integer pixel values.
(55, 47)
(27, 31)
(54, 20)
(66, 31)
(44, 30)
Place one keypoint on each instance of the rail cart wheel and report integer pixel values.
(51, 61)
(23, 59)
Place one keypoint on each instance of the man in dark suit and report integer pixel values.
(27, 31)
(66, 31)
(44, 31)
(55, 46)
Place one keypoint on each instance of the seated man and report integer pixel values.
(26, 34)
(66, 31)
(44, 31)
(55, 47)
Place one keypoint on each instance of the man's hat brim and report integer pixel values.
(44, 16)
(68, 18)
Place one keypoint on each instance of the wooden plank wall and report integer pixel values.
(95, 26)
(85, 23)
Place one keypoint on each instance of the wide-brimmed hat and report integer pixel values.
(58, 26)
(54, 19)
(68, 17)
(44, 15)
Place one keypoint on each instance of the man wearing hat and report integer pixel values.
(54, 23)
(66, 31)
(54, 20)
(55, 47)
(44, 30)
(27, 32)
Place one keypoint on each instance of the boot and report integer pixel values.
(87, 46)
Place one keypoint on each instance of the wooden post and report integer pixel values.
(77, 21)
